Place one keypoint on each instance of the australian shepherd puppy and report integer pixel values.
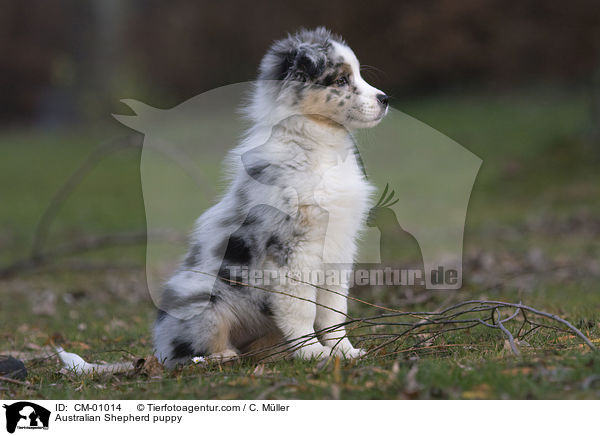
(297, 201)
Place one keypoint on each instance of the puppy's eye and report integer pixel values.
(342, 81)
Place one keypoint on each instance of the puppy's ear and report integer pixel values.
(308, 65)
(288, 60)
(297, 63)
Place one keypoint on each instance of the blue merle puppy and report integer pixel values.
(296, 203)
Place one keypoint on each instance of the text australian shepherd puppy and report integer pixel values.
(297, 201)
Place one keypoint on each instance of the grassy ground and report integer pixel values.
(532, 234)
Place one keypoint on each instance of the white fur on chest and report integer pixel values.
(344, 193)
(332, 196)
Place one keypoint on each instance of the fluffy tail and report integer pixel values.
(75, 363)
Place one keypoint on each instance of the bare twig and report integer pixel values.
(40, 233)
(511, 340)
(447, 319)
(12, 380)
(85, 244)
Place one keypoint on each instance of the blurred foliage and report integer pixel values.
(68, 60)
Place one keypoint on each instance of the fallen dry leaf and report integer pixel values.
(479, 392)
(259, 370)
(77, 344)
(412, 387)
(44, 303)
(150, 366)
(517, 371)
(335, 392)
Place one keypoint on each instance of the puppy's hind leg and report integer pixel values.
(220, 348)
(206, 334)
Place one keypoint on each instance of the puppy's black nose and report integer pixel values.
(383, 99)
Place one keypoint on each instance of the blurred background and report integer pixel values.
(71, 61)
(517, 83)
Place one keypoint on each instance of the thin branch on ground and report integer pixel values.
(430, 326)
(13, 381)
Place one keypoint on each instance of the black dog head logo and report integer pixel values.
(26, 414)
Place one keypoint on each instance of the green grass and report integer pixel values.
(538, 191)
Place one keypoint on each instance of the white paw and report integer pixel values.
(349, 352)
(313, 351)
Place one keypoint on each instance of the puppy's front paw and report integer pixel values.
(313, 351)
(349, 352)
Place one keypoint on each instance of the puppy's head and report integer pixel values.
(318, 75)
